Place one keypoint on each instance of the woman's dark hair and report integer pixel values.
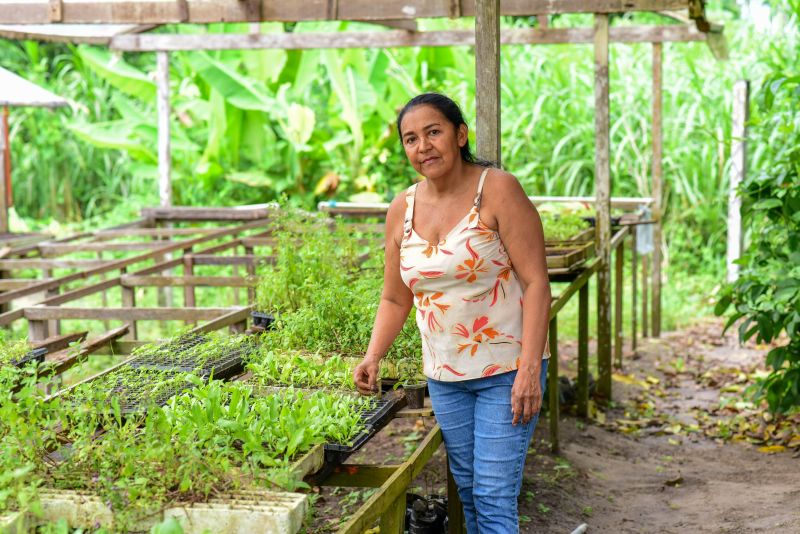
(447, 107)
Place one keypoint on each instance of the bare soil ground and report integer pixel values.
(654, 461)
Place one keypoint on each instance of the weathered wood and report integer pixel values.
(156, 232)
(360, 476)
(37, 331)
(39, 263)
(395, 486)
(554, 408)
(68, 359)
(645, 297)
(487, 79)
(200, 11)
(147, 42)
(741, 114)
(39, 313)
(634, 293)
(230, 318)
(129, 301)
(393, 518)
(51, 250)
(195, 213)
(583, 351)
(118, 264)
(455, 509)
(179, 281)
(658, 185)
(619, 259)
(602, 193)
(188, 291)
(16, 283)
(60, 342)
(163, 112)
(124, 347)
(3, 191)
(582, 279)
(211, 259)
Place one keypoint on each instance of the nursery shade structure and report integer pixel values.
(16, 91)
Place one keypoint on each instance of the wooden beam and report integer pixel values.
(61, 342)
(163, 111)
(16, 283)
(200, 11)
(231, 318)
(67, 359)
(3, 185)
(155, 232)
(180, 281)
(487, 79)
(741, 105)
(147, 42)
(197, 213)
(42, 313)
(49, 250)
(658, 184)
(602, 177)
(212, 259)
(554, 405)
(39, 263)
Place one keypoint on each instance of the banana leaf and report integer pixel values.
(118, 73)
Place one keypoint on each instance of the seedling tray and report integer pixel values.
(381, 413)
(183, 359)
(35, 355)
(568, 257)
(337, 453)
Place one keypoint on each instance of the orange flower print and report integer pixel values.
(489, 370)
(433, 250)
(471, 267)
(481, 333)
(428, 307)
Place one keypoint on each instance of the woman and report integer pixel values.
(466, 247)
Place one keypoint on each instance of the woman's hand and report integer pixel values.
(365, 375)
(526, 396)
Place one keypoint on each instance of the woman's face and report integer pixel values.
(431, 142)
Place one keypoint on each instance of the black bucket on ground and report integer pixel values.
(425, 515)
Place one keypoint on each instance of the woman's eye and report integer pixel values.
(434, 132)
(410, 140)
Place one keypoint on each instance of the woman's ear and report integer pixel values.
(462, 134)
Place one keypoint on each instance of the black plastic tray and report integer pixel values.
(35, 355)
(263, 320)
(182, 359)
(381, 412)
(337, 453)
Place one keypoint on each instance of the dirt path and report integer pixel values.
(653, 462)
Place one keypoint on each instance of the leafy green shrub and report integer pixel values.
(766, 297)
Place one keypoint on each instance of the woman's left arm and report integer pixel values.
(520, 229)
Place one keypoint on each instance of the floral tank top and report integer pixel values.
(467, 295)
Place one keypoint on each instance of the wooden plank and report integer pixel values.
(395, 486)
(179, 281)
(192, 213)
(163, 113)
(39, 313)
(16, 283)
(741, 105)
(583, 278)
(487, 79)
(3, 185)
(39, 263)
(360, 476)
(645, 297)
(200, 11)
(129, 301)
(61, 341)
(66, 359)
(50, 250)
(455, 508)
(147, 42)
(211, 259)
(634, 292)
(658, 185)
(156, 232)
(228, 319)
(554, 408)
(602, 177)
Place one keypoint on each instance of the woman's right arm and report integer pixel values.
(395, 304)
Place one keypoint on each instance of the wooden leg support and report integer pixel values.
(583, 351)
(619, 258)
(634, 295)
(394, 518)
(552, 384)
(455, 510)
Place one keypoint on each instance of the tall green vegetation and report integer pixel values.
(250, 126)
(766, 297)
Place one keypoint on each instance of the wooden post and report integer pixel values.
(645, 284)
(634, 295)
(583, 351)
(602, 184)
(3, 190)
(129, 301)
(455, 510)
(552, 385)
(188, 289)
(741, 106)
(619, 259)
(487, 78)
(103, 294)
(251, 272)
(394, 518)
(658, 186)
(162, 106)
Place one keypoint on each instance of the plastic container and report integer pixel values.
(35, 355)
(415, 395)
(263, 320)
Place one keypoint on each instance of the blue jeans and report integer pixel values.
(486, 452)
